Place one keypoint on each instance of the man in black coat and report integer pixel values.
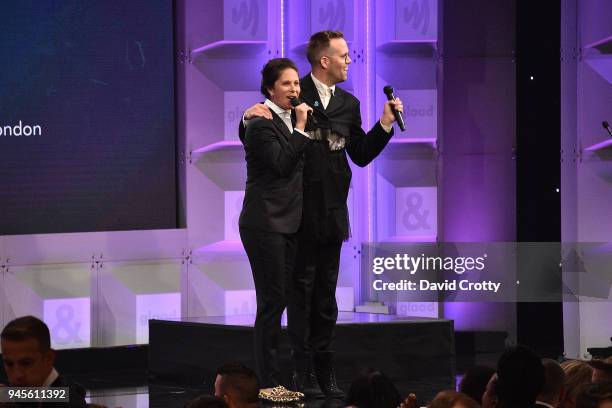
(28, 361)
(336, 131)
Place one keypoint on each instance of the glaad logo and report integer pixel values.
(21, 130)
(419, 111)
(418, 15)
(234, 114)
(247, 13)
(333, 16)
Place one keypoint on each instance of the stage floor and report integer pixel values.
(343, 318)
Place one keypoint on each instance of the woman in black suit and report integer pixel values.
(272, 207)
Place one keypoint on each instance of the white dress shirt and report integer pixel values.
(50, 378)
(325, 92)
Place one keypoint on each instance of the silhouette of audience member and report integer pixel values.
(373, 389)
(595, 395)
(28, 360)
(452, 399)
(237, 385)
(474, 382)
(577, 373)
(551, 395)
(520, 378)
(206, 401)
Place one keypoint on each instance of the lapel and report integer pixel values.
(336, 102)
(280, 125)
(310, 95)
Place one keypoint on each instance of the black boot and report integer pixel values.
(304, 378)
(326, 374)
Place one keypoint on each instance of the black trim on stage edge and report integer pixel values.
(97, 368)
(189, 352)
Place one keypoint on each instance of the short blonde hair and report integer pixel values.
(452, 398)
(577, 373)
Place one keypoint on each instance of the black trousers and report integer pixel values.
(312, 310)
(272, 256)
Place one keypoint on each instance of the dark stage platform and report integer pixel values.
(408, 350)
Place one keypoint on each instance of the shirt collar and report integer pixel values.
(544, 404)
(51, 378)
(321, 87)
(276, 109)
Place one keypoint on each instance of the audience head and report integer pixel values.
(554, 378)
(577, 373)
(452, 399)
(237, 385)
(595, 395)
(373, 389)
(602, 370)
(474, 382)
(328, 55)
(206, 401)
(520, 377)
(26, 352)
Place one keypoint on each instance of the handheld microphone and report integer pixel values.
(297, 101)
(388, 90)
(606, 126)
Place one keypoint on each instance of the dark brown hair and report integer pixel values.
(241, 381)
(554, 378)
(592, 395)
(319, 42)
(373, 389)
(28, 327)
(272, 71)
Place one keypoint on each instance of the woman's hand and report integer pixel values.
(301, 114)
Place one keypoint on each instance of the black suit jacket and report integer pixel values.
(327, 174)
(275, 161)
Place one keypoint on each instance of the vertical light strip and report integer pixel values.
(367, 61)
(282, 27)
(369, 175)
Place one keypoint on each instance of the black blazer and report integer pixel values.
(275, 161)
